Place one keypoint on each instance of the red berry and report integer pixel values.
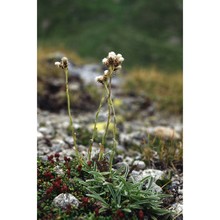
(79, 168)
(64, 188)
(89, 163)
(50, 157)
(120, 213)
(49, 190)
(57, 155)
(96, 211)
(68, 172)
(56, 184)
(141, 214)
(65, 158)
(85, 200)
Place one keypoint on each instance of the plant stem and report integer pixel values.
(110, 107)
(114, 134)
(109, 114)
(95, 128)
(69, 112)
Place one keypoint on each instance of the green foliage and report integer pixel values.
(109, 192)
(153, 29)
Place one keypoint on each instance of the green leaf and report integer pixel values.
(126, 210)
(99, 198)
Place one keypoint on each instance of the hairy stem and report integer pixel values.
(109, 114)
(69, 113)
(95, 128)
(114, 135)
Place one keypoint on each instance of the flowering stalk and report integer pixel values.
(64, 65)
(111, 106)
(109, 112)
(95, 128)
(113, 62)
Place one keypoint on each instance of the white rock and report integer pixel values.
(140, 165)
(65, 199)
(139, 175)
(156, 174)
(39, 135)
(58, 170)
(180, 191)
(128, 160)
(178, 207)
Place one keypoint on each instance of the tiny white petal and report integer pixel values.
(106, 72)
(64, 59)
(118, 67)
(57, 64)
(111, 54)
(121, 59)
(104, 60)
(118, 55)
(98, 78)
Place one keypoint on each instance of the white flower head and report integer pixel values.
(118, 67)
(64, 59)
(118, 55)
(111, 55)
(106, 72)
(104, 61)
(99, 79)
(57, 64)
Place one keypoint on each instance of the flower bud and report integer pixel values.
(111, 55)
(57, 64)
(104, 61)
(64, 62)
(100, 79)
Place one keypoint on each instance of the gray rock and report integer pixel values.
(121, 165)
(65, 199)
(69, 140)
(121, 148)
(57, 145)
(43, 130)
(140, 165)
(177, 207)
(39, 136)
(68, 152)
(128, 160)
(156, 174)
(58, 170)
(134, 138)
(139, 175)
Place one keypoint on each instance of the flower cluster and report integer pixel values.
(63, 64)
(113, 62)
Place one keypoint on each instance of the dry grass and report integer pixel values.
(45, 62)
(164, 89)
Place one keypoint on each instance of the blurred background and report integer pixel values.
(148, 33)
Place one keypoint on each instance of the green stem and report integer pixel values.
(69, 113)
(109, 114)
(95, 128)
(114, 135)
(111, 107)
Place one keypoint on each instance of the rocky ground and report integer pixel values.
(137, 119)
